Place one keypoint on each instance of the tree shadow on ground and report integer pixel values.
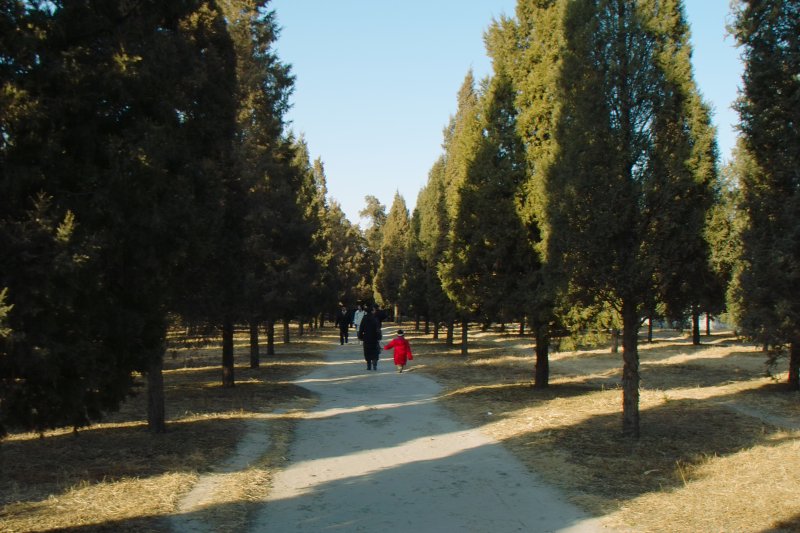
(786, 526)
(674, 434)
(207, 519)
(55, 463)
(690, 376)
(519, 394)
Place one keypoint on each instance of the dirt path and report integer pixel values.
(379, 454)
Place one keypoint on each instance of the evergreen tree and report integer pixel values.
(259, 184)
(528, 50)
(412, 291)
(769, 276)
(489, 259)
(685, 168)
(375, 212)
(617, 196)
(433, 232)
(392, 267)
(726, 224)
(133, 103)
(349, 275)
(460, 145)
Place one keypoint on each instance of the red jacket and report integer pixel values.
(402, 350)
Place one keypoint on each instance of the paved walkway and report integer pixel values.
(378, 454)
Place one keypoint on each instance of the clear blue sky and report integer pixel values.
(376, 83)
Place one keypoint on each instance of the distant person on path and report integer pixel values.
(343, 321)
(402, 350)
(370, 334)
(358, 316)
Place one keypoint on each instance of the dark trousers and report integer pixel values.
(343, 335)
(371, 352)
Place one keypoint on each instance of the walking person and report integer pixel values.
(358, 316)
(370, 333)
(402, 351)
(343, 321)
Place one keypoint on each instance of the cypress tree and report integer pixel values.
(433, 230)
(392, 267)
(134, 101)
(529, 49)
(414, 279)
(768, 277)
(460, 145)
(257, 185)
(488, 259)
(617, 195)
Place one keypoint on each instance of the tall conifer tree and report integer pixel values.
(392, 266)
(134, 102)
(433, 233)
(616, 193)
(529, 48)
(769, 110)
(489, 259)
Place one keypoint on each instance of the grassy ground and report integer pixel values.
(720, 440)
(115, 476)
(719, 447)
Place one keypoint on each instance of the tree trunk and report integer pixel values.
(708, 325)
(270, 336)
(630, 370)
(522, 327)
(695, 326)
(156, 420)
(449, 337)
(615, 340)
(650, 329)
(300, 328)
(464, 337)
(255, 356)
(286, 337)
(227, 353)
(396, 313)
(542, 377)
(794, 365)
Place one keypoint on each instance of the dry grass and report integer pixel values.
(718, 452)
(116, 476)
(719, 444)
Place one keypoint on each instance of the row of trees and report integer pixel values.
(579, 187)
(148, 174)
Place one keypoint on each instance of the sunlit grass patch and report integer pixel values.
(115, 476)
(714, 454)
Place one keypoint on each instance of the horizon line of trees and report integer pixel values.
(148, 173)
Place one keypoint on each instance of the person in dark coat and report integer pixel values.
(370, 334)
(343, 320)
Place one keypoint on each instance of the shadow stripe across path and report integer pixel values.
(378, 454)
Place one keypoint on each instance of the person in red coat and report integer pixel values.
(402, 350)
